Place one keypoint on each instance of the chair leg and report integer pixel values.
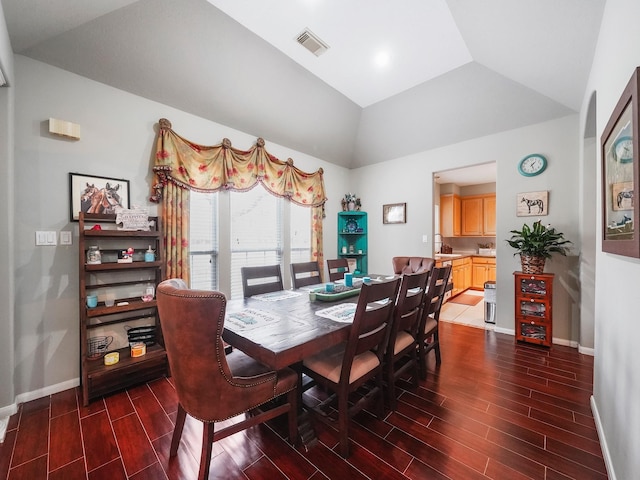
(207, 447)
(343, 423)
(415, 368)
(436, 342)
(391, 385)
(422, 355)
(177, 431)
(292, 399)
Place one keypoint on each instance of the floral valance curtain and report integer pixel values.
(183, 165)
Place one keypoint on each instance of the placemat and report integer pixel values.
(249, 319)
(339, 313)
(276, 296)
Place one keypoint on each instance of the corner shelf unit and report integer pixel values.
(123, 283)
(534, 301)
(352, 239)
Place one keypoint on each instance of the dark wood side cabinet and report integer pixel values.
(534, 308)
(119, 287)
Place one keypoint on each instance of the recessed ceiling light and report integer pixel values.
(382, 59)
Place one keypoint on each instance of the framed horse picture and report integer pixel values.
(532, 204)
(95, 194)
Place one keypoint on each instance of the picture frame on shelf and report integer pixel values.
(96, 194)
(394, 213)
(532, 204)
(620, 174)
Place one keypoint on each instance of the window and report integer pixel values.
(263, 230)
(203, 242)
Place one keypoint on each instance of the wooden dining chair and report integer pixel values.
(305, 273)
(337, 268)
(211, 385)
(402, 351)
(262, 279)
(343, 369)
(428, 338)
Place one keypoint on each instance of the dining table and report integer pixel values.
(280, 329)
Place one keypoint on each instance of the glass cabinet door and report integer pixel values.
(533, 286)
(533, 309)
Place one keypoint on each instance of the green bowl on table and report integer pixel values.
(339, 292)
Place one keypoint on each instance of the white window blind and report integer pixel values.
(263, 230)
(203, 240)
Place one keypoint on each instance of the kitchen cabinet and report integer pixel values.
(478, 215)
(534, 302)
(352, 239)
(483, 270)
(117, 277)
(450, 213)
(461, 273)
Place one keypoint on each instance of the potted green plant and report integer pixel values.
(537, 243)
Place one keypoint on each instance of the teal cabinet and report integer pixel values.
(352, 239)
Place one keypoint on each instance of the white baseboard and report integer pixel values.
(6, 412)
(565, 342)
(50, 390)
(508, 331)
(587, 351)
(603, 440)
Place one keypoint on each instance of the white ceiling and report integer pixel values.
(459, 69)
(420, 37)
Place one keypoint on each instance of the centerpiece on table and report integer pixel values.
(350, 203)
(537, 243)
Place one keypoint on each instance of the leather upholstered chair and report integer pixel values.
(337, 268)
(304, 274)
(402, 265)
(263, 279)
(211, 385)
(402, 352)
(343, 369)
(428, 338)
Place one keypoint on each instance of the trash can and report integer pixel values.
(490, 302)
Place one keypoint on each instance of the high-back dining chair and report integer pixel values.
(346, 367)
(402, 265)
(305, 273)
(262, 279)
(211, 385)
(403, 334)
(337, 268)
(428, 338)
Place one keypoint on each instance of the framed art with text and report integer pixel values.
(94, 194)
(620, 175)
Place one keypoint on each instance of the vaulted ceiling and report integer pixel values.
(457, 69)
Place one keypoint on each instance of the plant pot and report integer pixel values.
(351, 206)
(532, 264)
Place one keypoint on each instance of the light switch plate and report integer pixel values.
(46, 238)
(65, 237)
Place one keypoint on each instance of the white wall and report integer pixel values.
(118, 140)
(617, 303)
(409, 180)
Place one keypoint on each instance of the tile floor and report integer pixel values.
(466, 315)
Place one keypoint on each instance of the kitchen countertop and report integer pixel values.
(454, 256)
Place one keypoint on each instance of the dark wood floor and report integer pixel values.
(492, 410)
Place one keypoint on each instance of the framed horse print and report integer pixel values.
(532, 204)
(95, 194)
(620, 174)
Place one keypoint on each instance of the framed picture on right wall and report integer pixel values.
(620, 171)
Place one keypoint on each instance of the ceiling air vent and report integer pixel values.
(312, 43)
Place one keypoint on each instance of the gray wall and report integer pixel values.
(118, 132)
(409, 179)
(617, 303)
(6, 234)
